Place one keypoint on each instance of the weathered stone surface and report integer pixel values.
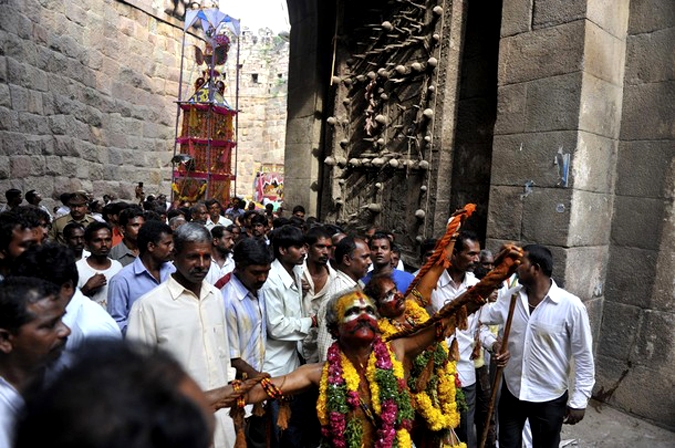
(652, 348)
(630, 275)
(604, 54)
(651, 56)
(610, 16)
(650, 15)
(546, 216)
(511, 103)
(595, 308)
(593, 162)
(591, 218)
(646, 220)
(553, 103)
(519, 158)
(505, 214)
(619, 329)
(516, 17)
(640, 169)
(600, 107)
(585, 271)
(542, 53)
(648, 110)
(548, 13)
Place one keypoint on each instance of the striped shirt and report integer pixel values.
(246, 326)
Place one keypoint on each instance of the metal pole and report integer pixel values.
(178, 109)
(235, 147)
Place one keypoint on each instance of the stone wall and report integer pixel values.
(87, 97)
(263, 91)
(636, 350)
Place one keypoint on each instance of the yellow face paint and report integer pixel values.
(346, 301)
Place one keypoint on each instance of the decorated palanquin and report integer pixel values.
(207, 137)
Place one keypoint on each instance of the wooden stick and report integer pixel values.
(498, 375)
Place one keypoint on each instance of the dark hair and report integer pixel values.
(375, 287)
(315, 234)
(280, 222)
(380, 236)
(129, 214)
(114, 208)
(151, 215)
(9, 222)
(187, 213)
(333, 229)
(540, 256)
(395, 248)
(95, 227)
(345, 247)
(286, 237)
(174, 212)
(298, 208)
(50, 261)
(251, 251)
(427, 245)
(210, 202)
(65, 198)
(258, 219)
(296, 222)
(151, 232)
(464, 235)
(30, 196)
(16, 293)
(34, 215)
(116, 395)
(218, 231)
(12, 193)
(70, 227)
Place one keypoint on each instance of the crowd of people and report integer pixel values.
(229, 294)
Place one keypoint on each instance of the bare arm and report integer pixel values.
(410, 347)
(244, 368)
(295, 382)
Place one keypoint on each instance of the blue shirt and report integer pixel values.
(129, 284)
(401, 279)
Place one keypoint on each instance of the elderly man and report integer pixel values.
(186, 316)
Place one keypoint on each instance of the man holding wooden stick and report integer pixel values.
(550, 327)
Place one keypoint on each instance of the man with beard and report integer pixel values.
(352, 258)
(77, 203)
(287, 321)
(131, 220)
(31, 336)
(222, 262)
(318, 275)
(454, 281)
(186, 316)
(73, 233)
(380, 253)
(149, 270)
(96, 270)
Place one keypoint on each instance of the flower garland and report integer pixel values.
(437, 403)
(338, 397)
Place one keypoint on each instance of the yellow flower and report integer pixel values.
(349, 373)
(403, 437)
(398, 366)
(321, 410)
(374, 388)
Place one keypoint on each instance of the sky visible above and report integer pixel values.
(256, 14)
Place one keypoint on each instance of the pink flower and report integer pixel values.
(353, 399)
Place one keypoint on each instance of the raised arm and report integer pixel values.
(293, 383)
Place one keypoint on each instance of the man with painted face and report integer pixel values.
(454, 281)
(352, 258)
(31, 336)
(186, 316)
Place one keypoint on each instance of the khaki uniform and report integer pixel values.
(56, 234)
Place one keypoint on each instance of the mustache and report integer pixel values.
(366, 323)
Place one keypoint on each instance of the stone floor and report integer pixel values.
(604, 426)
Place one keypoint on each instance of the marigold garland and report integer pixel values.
(390, 400)
(437, 404)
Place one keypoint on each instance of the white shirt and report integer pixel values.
(193, 329)
(86, 320)
(543, 344)
(447, 291)
(222, 221)
(340, 283)
(11, 404)
(287, 322)
(216, 272)
(311, 302)
(85, 272)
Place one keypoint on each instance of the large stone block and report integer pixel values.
(519, 158)
(586, 270)
(546, 216)
(644, 169)
(648, 111)
(653, 346)
(595, 311)
(638, 222)
(593, 163)
(53, 165)
(650, 15)
(504, 219)
(516, 17)
(9, 119)
(611, 16)
(619, 329)
(650, 57)
(600, 111)
(548, 13)
(21, 166)
(604, 54)
(591, 218)
(511, 101)
(33, 124)
(554, 103)
(542, 53)
(630, 276)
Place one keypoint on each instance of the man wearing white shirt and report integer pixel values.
(287, 322)
(453, 282)
(550, 327)
(186, 316)
(222, 262)
(95, 271)
(215, 218)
